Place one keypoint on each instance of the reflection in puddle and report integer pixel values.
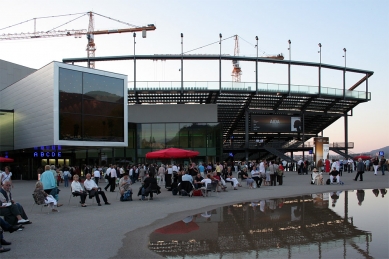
(336, 224)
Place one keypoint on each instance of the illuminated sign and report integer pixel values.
(275, 123)
(47, 154)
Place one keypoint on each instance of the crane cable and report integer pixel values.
(40, 18)
(208, 44)
(117, 20)
(263, 52)
(66, 23)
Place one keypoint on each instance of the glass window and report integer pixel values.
(198, 134)
(144, 136)
(131, 135)
(172, 136)
(158, 133)
(70, 126)
(103, 108)
(70, 90)
(185, 139)
(103, 128)
(103, 88)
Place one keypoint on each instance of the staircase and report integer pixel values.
(278, 153)
(342, 153)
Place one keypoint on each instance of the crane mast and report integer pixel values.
(236, 70)
(90, 47)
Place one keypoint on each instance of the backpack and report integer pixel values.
(328, 182)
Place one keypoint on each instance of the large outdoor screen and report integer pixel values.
(276, 123)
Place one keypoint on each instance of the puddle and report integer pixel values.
(343, 224)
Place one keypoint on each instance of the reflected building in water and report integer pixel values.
(279, 228)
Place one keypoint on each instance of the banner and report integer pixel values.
(321, 148)
(276, 123)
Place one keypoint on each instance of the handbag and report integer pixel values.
(92, 193)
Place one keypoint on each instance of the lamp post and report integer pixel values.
(134, 63)
(320, 69)
(290, 55)
(256, 68)
(182, 62)
(344, 73)
(220, 63)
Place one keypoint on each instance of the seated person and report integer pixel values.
(93, 190)
(205, 182)
(229, 178)
(187, 177)
(334, 174)
(150, 186)
(197, 181)
(125, 188)
(3, 242)
(41, 197)
(245, 176)
(77, 190)
(221, 184)
(8, 227)
(13, 212)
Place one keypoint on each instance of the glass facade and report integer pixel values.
(91, 107)
(203, 137)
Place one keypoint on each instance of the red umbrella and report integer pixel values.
(179, 227)
(5, 160)
(172, 153)
(364, 157)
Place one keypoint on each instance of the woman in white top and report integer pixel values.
(77, 190)
(6, 175)
(205, 182)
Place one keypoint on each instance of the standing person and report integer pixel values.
(382, 164)
(273, 168)
(113, 178)
(66, 176)
(360, 170)
(376, 162)
(142, 173)
(108, 177)
(168, 177)
(6, 175)
(193, 170)
(327, 166)
(201, 169)
(161, 173)
(367, 165)
(350, 163)
(96, 175)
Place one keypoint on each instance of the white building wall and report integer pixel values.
(31, 98)
(11, 73)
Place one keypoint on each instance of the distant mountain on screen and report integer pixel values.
(385, 149)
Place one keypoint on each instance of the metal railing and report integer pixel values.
(243, 86)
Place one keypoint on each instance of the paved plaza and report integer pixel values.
(121, 230)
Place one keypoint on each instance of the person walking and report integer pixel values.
(376, 162)
(382, 165)
(360, 170)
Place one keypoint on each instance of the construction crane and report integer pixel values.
(236, 70)
(91, 46)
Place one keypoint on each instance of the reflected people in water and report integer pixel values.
(360, 196)
(376, 192)
(383, 192)
(335, 197)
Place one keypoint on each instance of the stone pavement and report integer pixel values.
(121, 230)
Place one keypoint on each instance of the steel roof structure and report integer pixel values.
(318, 106)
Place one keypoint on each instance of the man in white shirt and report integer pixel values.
(113, 178)
(107, 176)
(96, 175)
(92, 188)
(300, 164)
(175, 169)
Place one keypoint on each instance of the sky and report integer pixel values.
(359, 26)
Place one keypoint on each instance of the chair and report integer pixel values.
(187, 187)
(208, 189)
(36, 202)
